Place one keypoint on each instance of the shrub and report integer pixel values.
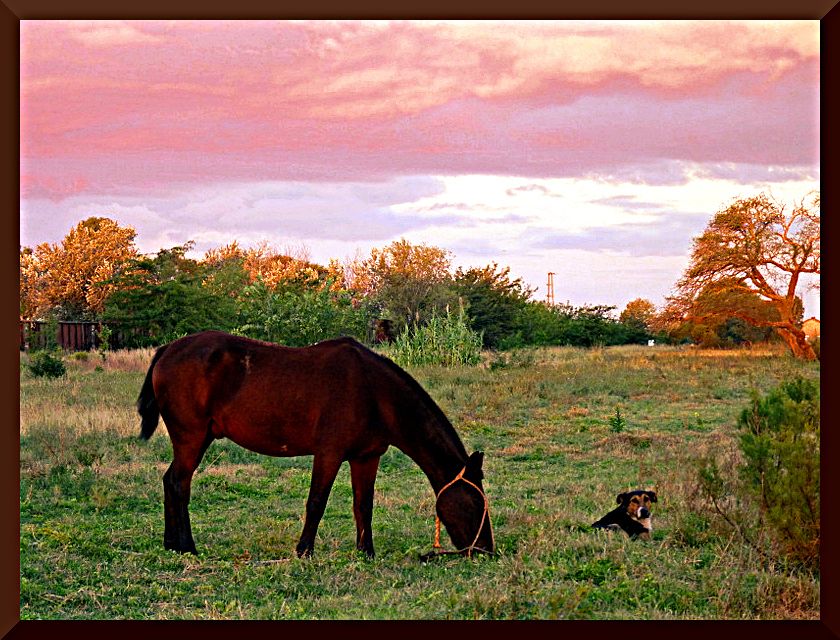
(772, 496)
(815, 345)
(617, 422)
(515, 358)
(780, 441)
(445, 340)
(42, 364)
(299, 317)
(105, 334)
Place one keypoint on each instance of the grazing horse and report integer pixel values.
(336, 400)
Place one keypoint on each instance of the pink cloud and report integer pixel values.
(52, 187)
(123, 105)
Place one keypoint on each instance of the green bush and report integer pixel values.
(617, 422)
(169, 296)
(42, 364)
(780, 440)
(538, 324)
(771, 494)
(445, 340)
(299, 317)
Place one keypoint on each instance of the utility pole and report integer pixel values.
(549, 294)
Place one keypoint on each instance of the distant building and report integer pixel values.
(811, 327)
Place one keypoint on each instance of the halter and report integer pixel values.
(437, 549)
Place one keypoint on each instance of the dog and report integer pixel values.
(632, 515)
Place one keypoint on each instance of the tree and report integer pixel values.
(492, 300)
(710, 322)
(73, 279)
(31, 283)
(537, 323)
(299, 317)
(591, 325)
(754, 246)
(167, 296)
(638, 312)
(638, 319)
(411, 282)
(277, 269)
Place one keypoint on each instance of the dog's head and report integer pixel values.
(637, 504)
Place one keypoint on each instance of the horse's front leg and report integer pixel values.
(363, 475)
(324, 469)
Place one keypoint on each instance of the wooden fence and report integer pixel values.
(70, 336)
(84, 336)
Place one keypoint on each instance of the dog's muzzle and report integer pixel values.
(643, 513)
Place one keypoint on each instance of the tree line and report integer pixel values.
(739, 287)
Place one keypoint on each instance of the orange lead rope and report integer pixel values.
(484, 516)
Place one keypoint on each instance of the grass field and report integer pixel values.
(564, 430)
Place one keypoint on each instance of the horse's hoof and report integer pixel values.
(169, 546)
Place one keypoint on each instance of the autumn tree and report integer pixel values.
(410, 281)
(639, 312)
(287, 268)
(754, 246)
(73, 279)
(711, 323)
(638, 319)
(31, 283)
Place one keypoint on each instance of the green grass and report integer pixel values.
(92, 517)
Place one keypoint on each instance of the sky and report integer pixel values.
(595, 150)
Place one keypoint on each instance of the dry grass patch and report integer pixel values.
(125, 360)
(576, 412)
(80, 421)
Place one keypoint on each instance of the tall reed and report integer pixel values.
(446, 340)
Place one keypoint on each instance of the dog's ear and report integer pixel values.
(652, 495)
(620, 498)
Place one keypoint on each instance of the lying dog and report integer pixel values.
(632, 515)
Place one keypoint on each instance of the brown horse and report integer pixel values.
(335, 400)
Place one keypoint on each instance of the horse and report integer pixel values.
(335, 400)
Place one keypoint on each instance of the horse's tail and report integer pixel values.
(147, 405)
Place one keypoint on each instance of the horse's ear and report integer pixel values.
(620, 498)
(474, 462)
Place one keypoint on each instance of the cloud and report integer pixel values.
(348, 212)
(195, 102)
(531, 188)
(628, 202)
(108, 33)
(757, 173)
(668, 235)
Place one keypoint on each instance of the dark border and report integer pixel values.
(370, 9)
(829, 483)
(12, 11)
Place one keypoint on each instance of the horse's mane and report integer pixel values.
(424, 397)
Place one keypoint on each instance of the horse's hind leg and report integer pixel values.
(363, 475)
(177, 482)
(324, 469)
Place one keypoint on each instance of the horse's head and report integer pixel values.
(463, 508)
